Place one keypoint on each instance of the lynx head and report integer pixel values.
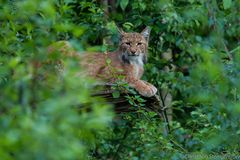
(133, 46)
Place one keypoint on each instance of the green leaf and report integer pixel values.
(227, 4)
(116, 94)
(123, 4)
(108, 61)
(191, 1)
(128, 25)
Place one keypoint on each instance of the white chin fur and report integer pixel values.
(137, 60)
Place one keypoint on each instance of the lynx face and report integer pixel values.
(133, 47)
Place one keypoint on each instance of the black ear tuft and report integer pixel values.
(146, 33)
(120, 31)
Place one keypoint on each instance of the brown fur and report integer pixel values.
(127, 60)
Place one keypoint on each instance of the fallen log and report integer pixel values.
(121, 103)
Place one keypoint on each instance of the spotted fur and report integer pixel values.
(127, 60)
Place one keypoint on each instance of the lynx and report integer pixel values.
(127, 60)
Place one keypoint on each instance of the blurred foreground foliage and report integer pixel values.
(194, 53)
(43, 115)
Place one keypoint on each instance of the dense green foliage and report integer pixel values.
(44, 115)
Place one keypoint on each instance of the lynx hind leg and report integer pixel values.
(145, 89)
(58, 52)
(64, 47)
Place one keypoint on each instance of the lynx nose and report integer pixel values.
(133, 52)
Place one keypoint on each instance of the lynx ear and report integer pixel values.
(146, 33)
(121, 32)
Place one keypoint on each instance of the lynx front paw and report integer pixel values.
(148, 91)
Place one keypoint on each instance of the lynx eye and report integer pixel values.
(127, 43)
(139, 44)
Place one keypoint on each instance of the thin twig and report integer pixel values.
(164, 113)
(235, 49)
(175, 143)
(227, 51)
